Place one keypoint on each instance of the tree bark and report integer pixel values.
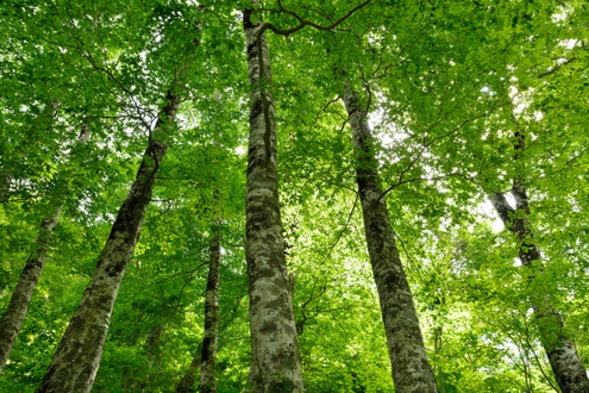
(20, 301)
(211, 332)
(410, 367)
(206, 355)
(186, 385)
(276, 363)
(77, 358)
(568, 369)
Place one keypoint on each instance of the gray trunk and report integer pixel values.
(77, 358)
(16, 312)
(14, 316)
(410, 367)
(568, 369)
(276, 363)
(211, 332)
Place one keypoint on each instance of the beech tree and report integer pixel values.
(323, 238)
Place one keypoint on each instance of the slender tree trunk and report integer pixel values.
(211, 332)
(568, 369)
(410, 367)
(77, 358)
(16, 312)
(206, 354)
(186, 385)
(276, 363)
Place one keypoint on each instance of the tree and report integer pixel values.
(275, 350)
(437, 85)
(14, 315)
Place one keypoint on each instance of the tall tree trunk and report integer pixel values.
(77, 358)
(16, 312)
(186, 385)
(276, 363)
(206, 354)
(410, 367)
(568, 369)
(211, 332)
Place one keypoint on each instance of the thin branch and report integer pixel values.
(339, 236)
(428, 144)
(190, 272)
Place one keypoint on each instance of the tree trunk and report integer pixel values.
(77, 358)
(276, 363)
(186, 385)
(16, 312)
(568, 369)
(211, 332)
(410, 367)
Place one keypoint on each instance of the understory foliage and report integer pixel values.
(447, 86)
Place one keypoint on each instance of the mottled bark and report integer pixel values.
(23, 292)
(20, 301)
(75, 363)
(276, 364)
(568, 369)
(410, 367)
(211, 332)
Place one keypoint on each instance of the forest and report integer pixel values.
(267, 196)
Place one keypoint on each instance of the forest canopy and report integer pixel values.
(294, 196)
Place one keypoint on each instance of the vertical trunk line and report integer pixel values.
(410, 367)
(211, 332)
(276, 364)
(565, 363)
(20, 301)
(187, 382)
(75, 363)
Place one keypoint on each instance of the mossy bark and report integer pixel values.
(211, 332)
(566, 365)
(276, 363)
(75, 363)
(20, 301)
(410, 367)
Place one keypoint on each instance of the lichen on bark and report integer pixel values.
(565, 363)
(211, 331)
(20, 301)
(410, 367)
(75, 363)
(276, 360)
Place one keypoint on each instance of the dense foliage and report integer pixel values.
(447, 85)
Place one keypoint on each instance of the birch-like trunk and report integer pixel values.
(20, 301)
(211, 332)
(77, 358)
(568, 369)
(410, 367)
(276, 363)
